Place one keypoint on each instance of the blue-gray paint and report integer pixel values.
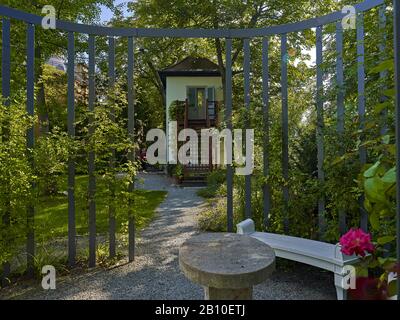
(246, 76)
(396, 31)
(111, 212)
(30, 140)
(91, 165)
(71, 161)
(228, 119)
(361, 107)
(320, 131)
(5, 87)
(382, 56)
(6, 62)
(131, 131)
(285, 131)
(189, 33)
(340, 103)
(265, 95)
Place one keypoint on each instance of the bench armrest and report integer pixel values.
(246, 227)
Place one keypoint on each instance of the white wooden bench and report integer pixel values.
(315, 253)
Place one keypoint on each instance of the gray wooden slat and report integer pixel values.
(71, 162)
(228, 119)
(246, 74)
(30, 141)
(320, 131)
(382, 56)
(340, 103)
(265, 92)
(131, 131)
(396, 31)
(383, 78)
(6, 61)
(285, 131)
(91, 165)
(112, 220)
(191, 33)
(6, 90)
(361, 107)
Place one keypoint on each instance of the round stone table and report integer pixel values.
(228, 265)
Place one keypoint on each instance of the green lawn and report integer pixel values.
(51, 219)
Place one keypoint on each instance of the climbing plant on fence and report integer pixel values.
(16, 177)
(28, 175)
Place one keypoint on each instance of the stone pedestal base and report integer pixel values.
(228, 294)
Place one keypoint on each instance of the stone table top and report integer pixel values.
(226, 260)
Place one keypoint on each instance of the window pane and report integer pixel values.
(210, 94)
(192, 97)
(200, 98)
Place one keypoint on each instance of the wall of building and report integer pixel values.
(177, 90)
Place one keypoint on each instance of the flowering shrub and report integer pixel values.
(356, 241)
(368, 287)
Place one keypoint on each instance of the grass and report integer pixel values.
(51, 219)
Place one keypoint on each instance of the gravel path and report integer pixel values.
(155, 272)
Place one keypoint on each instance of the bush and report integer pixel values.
(16, 178)
(214, 219)
(215, 182)
(176, 110)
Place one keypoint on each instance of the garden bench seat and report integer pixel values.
(319, 254)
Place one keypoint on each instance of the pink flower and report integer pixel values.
(356, 242)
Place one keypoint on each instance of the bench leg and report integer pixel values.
(341, 293)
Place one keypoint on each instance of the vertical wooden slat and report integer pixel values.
(228, 119)
(285, 131)
(112, 221)
(265, 92)
(71, 162)
(320, 131)
(382, 57)
(361, 107)
(131, 131)
(30, 104)
(383, 86)
(246, 75)
(396, 26)
(91, 165)
(6, 61)
(6, 90)
(340, 103)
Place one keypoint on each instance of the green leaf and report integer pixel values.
(338, 160)
(390, 176)
(374, 220)
(386, 139)
(389, 92)
(384, 65)
(372, 170)
(385, 239)
(367, 205)
(375, 189)
(381, 106)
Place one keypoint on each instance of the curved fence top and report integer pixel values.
(189, 33)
